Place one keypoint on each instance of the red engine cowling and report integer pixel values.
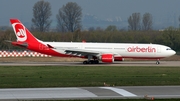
(107, 58)
(118, 59)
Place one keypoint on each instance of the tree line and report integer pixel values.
(134, 22)
(69, 18)
(169, 37)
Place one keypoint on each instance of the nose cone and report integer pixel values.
(170, 53)
(173, 52)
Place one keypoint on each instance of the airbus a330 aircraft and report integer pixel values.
(94, 52)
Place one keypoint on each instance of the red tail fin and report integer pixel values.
(27, 40)
(24, 37)
(22, 33)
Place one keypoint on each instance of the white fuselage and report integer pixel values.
(125, 50)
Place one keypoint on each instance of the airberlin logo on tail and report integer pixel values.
(148, 49)
(20, 31)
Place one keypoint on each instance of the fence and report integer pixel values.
(21, 53)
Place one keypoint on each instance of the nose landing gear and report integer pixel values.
(157, 62)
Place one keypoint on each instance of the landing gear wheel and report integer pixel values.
(96, 61)
(91, 62)
(157, 62)
(85, 62)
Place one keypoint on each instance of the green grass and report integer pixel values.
(68, 76)
(129, 100)
(118, 100)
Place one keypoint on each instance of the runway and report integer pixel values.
(123, 92)
(147, 92)
(123, 63)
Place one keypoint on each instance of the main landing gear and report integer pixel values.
(157, 62)
(91, 62)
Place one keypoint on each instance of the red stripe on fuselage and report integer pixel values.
(143, 57)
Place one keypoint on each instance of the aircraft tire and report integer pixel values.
(157, 62)
(85, 62)
(96, 62)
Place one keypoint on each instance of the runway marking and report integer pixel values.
(120, 91)
(45, 93)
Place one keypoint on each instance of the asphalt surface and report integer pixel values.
(123, 63)
(143, 92)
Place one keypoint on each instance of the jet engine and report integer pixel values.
(109, 58)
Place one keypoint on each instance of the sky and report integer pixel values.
(103, 9)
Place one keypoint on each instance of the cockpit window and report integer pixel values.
(168, 49)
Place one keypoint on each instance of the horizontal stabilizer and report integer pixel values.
(21, 44)
(50, 46)
(8, 41)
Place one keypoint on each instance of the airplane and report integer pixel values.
(93, 52)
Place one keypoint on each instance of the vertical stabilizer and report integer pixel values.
(21, 32)
(27, 40)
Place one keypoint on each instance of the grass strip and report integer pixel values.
(76, 76)
(117, 100)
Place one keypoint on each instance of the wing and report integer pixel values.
(75, 52)
(82, 52)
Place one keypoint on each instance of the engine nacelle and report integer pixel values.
(118, 59)
(109, 58)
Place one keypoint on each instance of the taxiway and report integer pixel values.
(123, 63)
(142, 92)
